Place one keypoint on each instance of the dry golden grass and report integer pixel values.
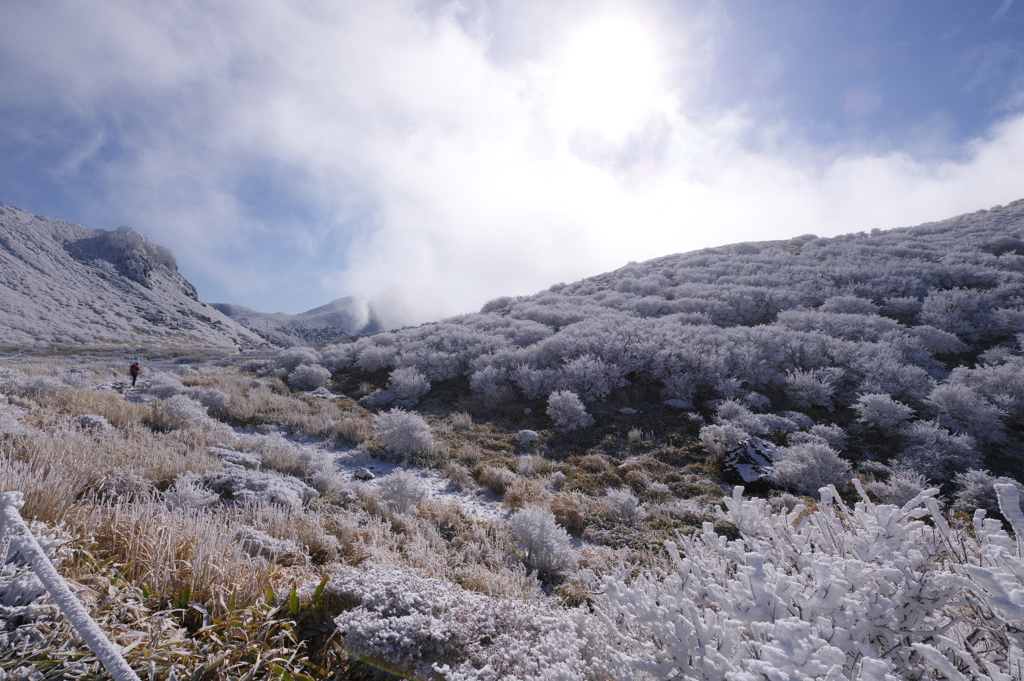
(523, 492)
(497, 480)
(595, 463)
(570, 510)
(167, 549)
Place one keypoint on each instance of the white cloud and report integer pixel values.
(422, 155)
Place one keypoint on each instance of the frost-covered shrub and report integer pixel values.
(211, 398)
(966, 313)
(407, 385)
(622, 506)
(259, 544)
(486, 381)
(292, 358)
(309, 377)
(567, 411)
(849, 305)
(902, 486)
(402, 490)
(923, 602)
(590, 378)
(188, 491)
(832, 434)
(460, 420)
(963, 410)
(936, 453)
(882, 412)
(806, 468)
(241, 485)
(546, 547)
(377, 357)
(527, 436)
(939, 342)
(93, 423)
(719, 440)
(181, 411)
(434, 630)
(808, 389)
(977, 490)
(10, 418)
(533, 383)
(163, 385)
(403, 432)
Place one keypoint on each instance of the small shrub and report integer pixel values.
(530, 465)
(402, 490)
(567, 411)
(622, 506)
(719, 440)
(497, 480)
(882, 412)
(545, 545)
(292, 358)
(808, 467)
(902, 486)
(309, 377)
(403, 431)
(407, 386)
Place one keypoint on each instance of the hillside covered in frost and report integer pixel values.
(64, 285)
(896, 353)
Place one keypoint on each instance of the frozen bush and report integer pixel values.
(808, 467)
(939, 342)
(377, 357)
(590, 378)
(486, 381)
(259, 544)
(243, 486)
(962, 410)
(849, 305)
(309, 377)
(459, 477)
(977, 490)
(936, 453)
(546, 547)
(902, 486)
(402, 490)
(211, 398)
(527, 436)
(882, 412)
(966, 313)
(622, 506)
(292, 358)
(181, 411)
(533, 383)
(93, 423)
(407, 386)
(832, 434)
(162, 385)
(567, 411)
(403, 432)
(720, 440)
(808, 389)
(792, 599)
(432, 630)
(188, 491)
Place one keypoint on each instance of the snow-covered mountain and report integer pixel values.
(63, 284)
(391, 309)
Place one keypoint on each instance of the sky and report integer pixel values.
(294, 152)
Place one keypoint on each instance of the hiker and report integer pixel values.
(134, 371)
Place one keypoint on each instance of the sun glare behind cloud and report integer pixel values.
(607, 79)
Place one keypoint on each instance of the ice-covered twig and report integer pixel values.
(14, 532)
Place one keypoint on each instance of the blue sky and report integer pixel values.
(294, 152)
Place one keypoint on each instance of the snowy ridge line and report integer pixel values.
(14, 532)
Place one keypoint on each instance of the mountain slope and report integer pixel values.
(63, 284)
